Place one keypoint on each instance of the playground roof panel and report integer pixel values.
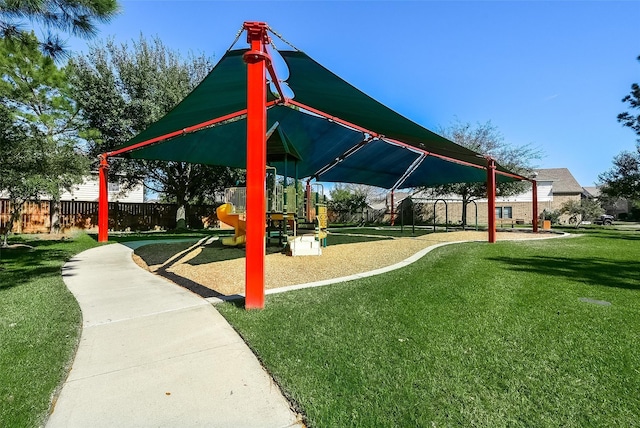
(318, 87)
(315, 140)
(279, 146)
(376, 163)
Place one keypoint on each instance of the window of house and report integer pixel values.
(114, 187)
(504, 212)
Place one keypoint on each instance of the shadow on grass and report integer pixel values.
(626, 236)
(593, 271)
(163, 236)
(605, 233)
(22, 265)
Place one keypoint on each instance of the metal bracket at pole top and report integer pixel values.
(257, 30)
(104, 162)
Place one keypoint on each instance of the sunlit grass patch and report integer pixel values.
(472, 334)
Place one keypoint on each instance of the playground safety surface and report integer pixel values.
(227, 277)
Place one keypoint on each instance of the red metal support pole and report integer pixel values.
(393, 210)
(534, 190)
(256, 163)
(103, 200)
(308, 213)
(491, 198)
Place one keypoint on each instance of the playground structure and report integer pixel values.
(298, 224)
(433, 203)
(343, 134)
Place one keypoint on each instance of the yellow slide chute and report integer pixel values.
(226, 215)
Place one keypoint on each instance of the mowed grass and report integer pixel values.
(474, 334)
(40, 325)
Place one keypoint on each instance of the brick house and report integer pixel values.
(555, 186)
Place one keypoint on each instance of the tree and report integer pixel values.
(583, 210)
(346, 201)
(121, 90)
(633, 100)
(78, 17)
(486, 139)
(41, 151)
(623, 179)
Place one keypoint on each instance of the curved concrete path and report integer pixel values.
(153, 354)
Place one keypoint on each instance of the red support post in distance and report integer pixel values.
(103, 200)
(534, 190)
(256, 163)
(393, 210)
(308, 211)
(491, 198)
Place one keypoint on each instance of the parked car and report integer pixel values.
(604, 219)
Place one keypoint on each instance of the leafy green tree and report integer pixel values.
(42, 153)
(583, 210)
(623, 179)
(346, 201)
(77, 17)
(121, 90)
(629, 118)
(486, 139)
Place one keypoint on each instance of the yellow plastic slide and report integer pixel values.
(226, 215)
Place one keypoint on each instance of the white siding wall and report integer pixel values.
(545, 194)
(88, 191)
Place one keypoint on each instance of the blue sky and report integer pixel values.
(549, 73)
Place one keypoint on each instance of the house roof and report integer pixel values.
(592, 191)
(563, 180)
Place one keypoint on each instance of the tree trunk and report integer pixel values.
(54, 206)
(465, 201)
(16, 212)
(181, 217)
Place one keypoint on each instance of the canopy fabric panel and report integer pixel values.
(317, 142)
(222, 92)
(324, 148)
(377, 163)
(224, 145)
(318, 87)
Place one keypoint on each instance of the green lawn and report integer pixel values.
(39, 327)
(506, 334)
(471, 335)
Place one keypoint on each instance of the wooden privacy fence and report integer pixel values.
(36, 217)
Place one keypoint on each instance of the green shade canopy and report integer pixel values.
(383, 149)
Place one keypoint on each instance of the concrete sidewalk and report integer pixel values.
(152, 354)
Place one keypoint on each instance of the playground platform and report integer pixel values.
(154, 354)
